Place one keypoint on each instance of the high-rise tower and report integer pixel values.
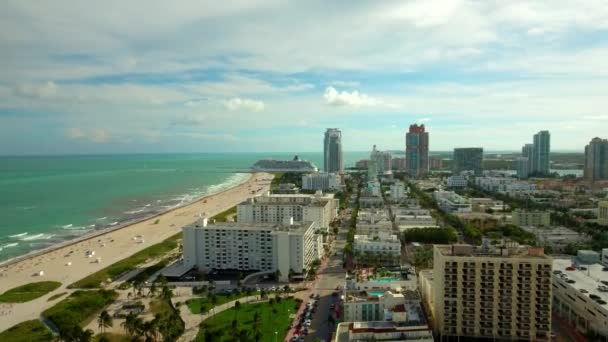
(542, 149)
(417, 151)
(332, 151)
(468, 159)
(596, 160)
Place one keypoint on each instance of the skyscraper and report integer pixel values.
(468, 159)
(522, 166)
(528, 152)
(417, 151)
(383, 161)
(542, 148)
(596, 160)
(332, 151)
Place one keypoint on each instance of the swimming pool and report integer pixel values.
(377, 293)
(386, 279)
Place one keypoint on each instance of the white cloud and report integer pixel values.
(423, 120)
(334, 97)
(97, 135)
(246, 104)
(45, 90)
(349, 84)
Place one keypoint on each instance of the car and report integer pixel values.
(570, 268)
(594, 296)
(604, 282)
(602, 302)
(604, 269)
(295, 338)
(317, 296)
(582, 268)
(557, 272)
(570, 281)
(312, 295)
(307, 323)
(584, 291)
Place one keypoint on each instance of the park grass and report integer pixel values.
(220, 329)
(27, 292)
(55, 296)
(79, 308)
(126, 265)
(31, 331)
(224, 215)
(195, 304)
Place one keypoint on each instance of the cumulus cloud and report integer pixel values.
(246, 104)
(423, 120)
(334, 97)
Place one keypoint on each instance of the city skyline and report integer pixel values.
(201, 77)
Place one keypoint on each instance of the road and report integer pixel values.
(330, 277)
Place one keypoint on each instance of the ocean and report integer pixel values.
(45, 200)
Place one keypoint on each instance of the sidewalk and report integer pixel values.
(193, 321)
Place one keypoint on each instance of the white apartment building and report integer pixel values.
(602, 214)
(373, 229)
(481, 204)
(505, 185)
(522, 218)
(381, 243)
(372, 215)
(251, 246)
(402, 328)
(501, 293)
(321, 181)
(397, 191)
(558, 238)
(581, 296)
(362, 306)
(410, 211)
(405, 222)
(277, 208)
(371, 202)
(451, 202)
(457, 181)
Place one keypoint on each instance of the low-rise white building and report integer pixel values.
(251, 246)
(397, 191)
(457, 181)
(451, 202)
(505, 185)
(378, 227)
(321, 181)
(276, 208)
(558, 238)
(405, 222)
(580, 296)
(371, 202)
(481, 204)
(380, 243)
(520, 217)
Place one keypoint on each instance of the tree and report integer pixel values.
(277, 274)
(237, 306)
(104, 321)
(152, 289)
(129, 324)
(166, 293)
(213, 301)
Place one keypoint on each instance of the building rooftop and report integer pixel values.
(588, 280)
(511, 250)
(295, 227)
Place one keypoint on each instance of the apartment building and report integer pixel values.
(520, 217)
(404, 222)
(451, 202)
(580, 296)
(457, 181)
(252, 246)
(505, 185)
(494, 293)
(397, 191)
(321, 181)
(276, 208)
(382, 243)
(602, 213)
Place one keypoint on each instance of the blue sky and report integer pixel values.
(190, 76)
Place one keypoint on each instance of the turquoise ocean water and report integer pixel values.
(48, 199)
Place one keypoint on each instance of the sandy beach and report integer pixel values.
(111, 247)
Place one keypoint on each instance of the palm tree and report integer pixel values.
(103, 338)
(129, 324)
(237, 306)
(104, 321)
(277, 274)
(166, 293)
(152, 289)
(213, 300)
(86, 336)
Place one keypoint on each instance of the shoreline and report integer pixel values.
(70, 261)
(110, 229)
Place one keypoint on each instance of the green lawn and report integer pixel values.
(195, 304)
(28, 292)
(79, 308)
(223, 216)
(128, 264)
(272, 318)
(113, 337)
(31, 331)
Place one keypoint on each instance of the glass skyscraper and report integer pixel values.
(542, 149)
(417, 151)
(332, 151)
